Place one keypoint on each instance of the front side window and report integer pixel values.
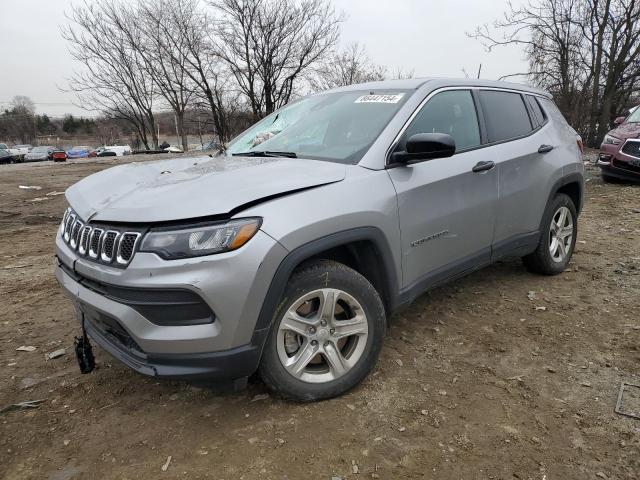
(452, 112)
(505, 115)
(338, 127)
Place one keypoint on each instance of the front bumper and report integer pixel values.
(233, 285)
(230, 364)
(615, 163)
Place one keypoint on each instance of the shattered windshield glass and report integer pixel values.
(339, 127)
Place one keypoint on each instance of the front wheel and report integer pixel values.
(557, 239)
(326, 335)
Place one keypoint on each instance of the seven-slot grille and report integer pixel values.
(105, 245)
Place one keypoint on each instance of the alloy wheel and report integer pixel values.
(560, 234)
(322, 335)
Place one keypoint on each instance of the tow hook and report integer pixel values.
(84, 352)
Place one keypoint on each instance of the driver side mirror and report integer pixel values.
(619, 120)
(425, 146)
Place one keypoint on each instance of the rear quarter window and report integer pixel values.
(539, 117)
(505, 114)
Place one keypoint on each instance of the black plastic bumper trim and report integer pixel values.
(620, 173)
(224, 365)
(161, 306)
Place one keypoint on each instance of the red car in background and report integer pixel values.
(59, 155)
(619, 157)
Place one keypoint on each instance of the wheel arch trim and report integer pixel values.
(298, 255)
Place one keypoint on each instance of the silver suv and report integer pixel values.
(288, 252)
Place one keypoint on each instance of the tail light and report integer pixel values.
(580, 144)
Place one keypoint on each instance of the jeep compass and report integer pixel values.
(287, 253)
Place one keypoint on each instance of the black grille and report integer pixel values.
(67, 228)
(631, 148)
(127, 244)
(75, 233)
(95, 242)
(83, 247)
(108, 245)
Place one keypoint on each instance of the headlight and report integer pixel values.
(608, 139)
(200, 240)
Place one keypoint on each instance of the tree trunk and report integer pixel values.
(154, 130)
(604, 117)
(181, 133)
(597, 71)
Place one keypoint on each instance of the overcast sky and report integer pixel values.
(426, 36)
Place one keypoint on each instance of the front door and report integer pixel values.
(447, 211)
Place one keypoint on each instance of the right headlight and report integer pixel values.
(611, 140)
(202, 240)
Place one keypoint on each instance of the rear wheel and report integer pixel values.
(327, 333)
(557, 240)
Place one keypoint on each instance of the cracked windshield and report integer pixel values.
(338, 127)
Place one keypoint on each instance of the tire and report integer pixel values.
(610, 179)
(546, 259)
(324, 375)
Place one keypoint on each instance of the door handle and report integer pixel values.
(545, 148)
(483, 166)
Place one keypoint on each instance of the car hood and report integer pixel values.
(189, 188)
(626, 130)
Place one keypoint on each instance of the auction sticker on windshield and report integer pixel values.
(379, 98)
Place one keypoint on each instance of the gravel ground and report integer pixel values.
(500, 375)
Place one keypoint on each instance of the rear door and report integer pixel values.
(517, 142)
(446, 210)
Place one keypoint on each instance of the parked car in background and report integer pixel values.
(38, 154)
(288, 253)
(5, 155)
(81, 151)
(59, 155)
(113, 151)
(19, 151)
(619, 157)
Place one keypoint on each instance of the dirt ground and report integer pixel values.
(500, 375)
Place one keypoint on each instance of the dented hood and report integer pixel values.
(187, 188)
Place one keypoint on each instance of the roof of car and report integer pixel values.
(415, 83)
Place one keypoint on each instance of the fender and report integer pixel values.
(308, 250)
(574, 177)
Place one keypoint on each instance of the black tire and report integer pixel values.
(540, 261)
(307, 278)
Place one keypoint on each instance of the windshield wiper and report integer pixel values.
(265, 153)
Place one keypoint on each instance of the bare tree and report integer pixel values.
(110, 79)
(270, 45)
(586, 52)
(23, 103)
(191, 45)
(164, 55)
(346, 67)
(615, 35)
(18, 122)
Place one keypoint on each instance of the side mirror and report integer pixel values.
(426, 146)
(619, 120)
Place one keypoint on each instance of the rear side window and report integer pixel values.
(505, 115)
(539, 117)
(451, 112)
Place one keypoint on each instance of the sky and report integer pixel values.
(427, 37)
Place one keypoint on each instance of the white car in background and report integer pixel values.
(113, 150)
(19, 151)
